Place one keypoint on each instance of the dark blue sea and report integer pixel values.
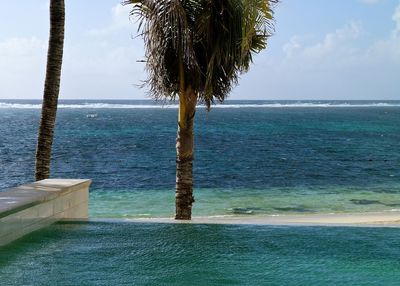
(251, 158)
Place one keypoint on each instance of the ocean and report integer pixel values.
(251, 158)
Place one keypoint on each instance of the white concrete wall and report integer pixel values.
(33, 206)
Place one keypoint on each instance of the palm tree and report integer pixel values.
(51, 89)
(196, 50)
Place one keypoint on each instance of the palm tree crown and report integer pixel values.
(201, 44)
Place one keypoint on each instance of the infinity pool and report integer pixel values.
(121, 253)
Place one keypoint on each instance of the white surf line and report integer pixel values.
(174, 106)
(374, 219)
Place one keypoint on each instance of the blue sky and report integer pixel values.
(337, 49)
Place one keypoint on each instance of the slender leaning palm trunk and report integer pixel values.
(51, 89)
(184, 156)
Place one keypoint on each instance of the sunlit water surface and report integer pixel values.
(176, 254)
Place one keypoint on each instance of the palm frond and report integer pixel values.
(213, 40)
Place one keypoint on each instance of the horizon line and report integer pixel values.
(217, 102)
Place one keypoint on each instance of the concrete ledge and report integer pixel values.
(33, 206)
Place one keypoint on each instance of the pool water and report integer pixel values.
(124, 253)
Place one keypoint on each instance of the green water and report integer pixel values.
(225, 202)
(167, 254)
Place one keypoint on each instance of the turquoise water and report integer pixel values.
(251, 158)
(248, 202)
(165, 254)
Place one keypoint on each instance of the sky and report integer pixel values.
(321, 50)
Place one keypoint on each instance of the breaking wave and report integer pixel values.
(100, 105)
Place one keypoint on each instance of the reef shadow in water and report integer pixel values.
(372, 202)
(245, 211)
(386, 191)
(299, 209)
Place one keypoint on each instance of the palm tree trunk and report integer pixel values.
(51, 89)
(184, 159)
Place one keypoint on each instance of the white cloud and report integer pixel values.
(336, 66)
(22, 67)
(120, 16)
(396, 19)
(337, 43)
(105, 62)
(120, 19)
(387, 50)
(293, 46)
(45, 5)
(17, 47)
(336, 49)
(100, 66)
(339, 49)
